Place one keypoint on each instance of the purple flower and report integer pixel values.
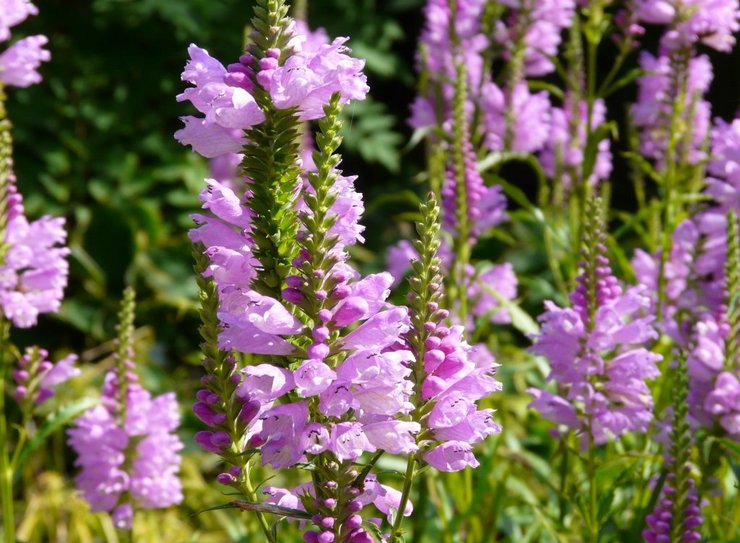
(13, 12)
(713, 22)
(598, 361)
(724, 402)
(33, 273)
(19, 62)
(37, 377)
(660, 522)
(129, 463)
(255, 323)
(538, 24)
(439, 56)
(451, 456)
(517, 122)
(308, 78)
(500, 280)
(657, 93)
(563, 151)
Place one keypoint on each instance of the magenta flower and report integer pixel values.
(539, 24)
(598, 362)
(37, 377)
(305, 80)
(530, 114)
(33, 273)
(19, 62)
(562, 146)
(711, 22)
(12, 13)
(130, 462)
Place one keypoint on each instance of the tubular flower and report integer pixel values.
(33, 272)
(596, 354)
(305, 79)
(19, 62)
(712, 22)
(37, 377)
(562, 154)
(534, 26)
(127, 449)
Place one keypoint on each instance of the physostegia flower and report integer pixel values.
(127, 449)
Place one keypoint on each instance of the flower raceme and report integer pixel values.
(306, 79)
(334, 375)
(127, 449)
(33, 271)
(597, 355)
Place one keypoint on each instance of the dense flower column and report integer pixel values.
(127, 451)
(449, 376)
(694, 269)
(713, 362)
(677, 516)
(597, 356)
(670, 110)
(529, 31)
(453, 56)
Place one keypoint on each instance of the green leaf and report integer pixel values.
(265, 508)
(591, 152)
(520, 319)
(625, 80)
(53, 422)
(730, 445)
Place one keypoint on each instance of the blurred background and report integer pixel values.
(95, 143)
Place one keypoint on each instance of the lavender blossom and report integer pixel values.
(37, 377)
(19, 62)
(666, 80)
(597, 355)
(305, 79)
(562, 154)
(517, 121)
(712, 22)
(127, 449)
(33, 272)
(532, 31)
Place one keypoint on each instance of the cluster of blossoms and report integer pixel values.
(19, 62)
(33, 265)
(34, 268)
(529, 33)
(597, 355)
(224, 95)
(660, 522)
(37, 377)
(677, 79)
(698, 292)
(712, 23)
(127, 451)
(562, 154)
(338, 376)
(452, 50)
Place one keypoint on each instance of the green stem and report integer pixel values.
(670, 179)
(251, 494)
(407, 482)
(6, 469)
(593, 525)
(563, 479)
